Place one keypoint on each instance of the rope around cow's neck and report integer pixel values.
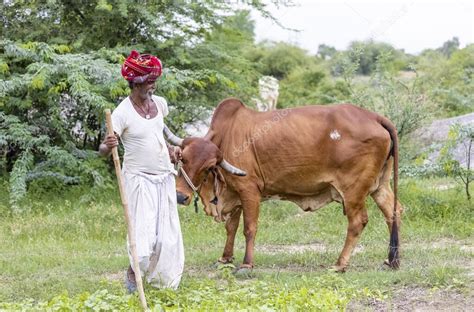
(186, 177)
(190, 184)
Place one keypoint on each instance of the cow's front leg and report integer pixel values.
(231, 227)
(251, 211)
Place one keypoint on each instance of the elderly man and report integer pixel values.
(149, 174)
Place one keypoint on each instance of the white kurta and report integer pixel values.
(151, 193)
(142, 139)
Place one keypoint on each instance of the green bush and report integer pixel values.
(449, 81)
(462, 170)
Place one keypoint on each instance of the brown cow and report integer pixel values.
(309, 155)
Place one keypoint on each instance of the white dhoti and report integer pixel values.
(154, 215)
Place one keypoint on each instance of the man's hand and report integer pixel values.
(175, 153)
(110, 141)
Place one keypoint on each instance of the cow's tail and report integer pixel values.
(393, 254)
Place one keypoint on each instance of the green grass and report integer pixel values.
(64, 253)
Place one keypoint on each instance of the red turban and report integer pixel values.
(139, 68)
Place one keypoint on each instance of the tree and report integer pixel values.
(197, 39)
(93, 24)
(278, 59)
(325, 51)
(224, 49)
(310, 84)
(365, 54)
(403, 102)
(450, 82)
(459, 165)
(449, 47)
(51, 101)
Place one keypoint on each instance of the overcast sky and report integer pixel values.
(412, 25)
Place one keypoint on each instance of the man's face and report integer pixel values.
(145, 90)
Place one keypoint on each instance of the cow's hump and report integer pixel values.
(226, 110)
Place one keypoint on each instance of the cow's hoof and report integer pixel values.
(223, 262)
(222, 266)
(395, 265)
(244, 271)
(338, 269)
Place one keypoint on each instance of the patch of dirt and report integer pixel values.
(442, 243)
(290, 249)
(418, 299)
(297, 248)
(209, 272)
(467, 248)
(470, 266)
(444, 187)
(113, 277)
(464, 245)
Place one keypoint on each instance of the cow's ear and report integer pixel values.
(219, 176)
(210, 164)
(219, 156)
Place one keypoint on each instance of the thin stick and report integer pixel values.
(123, 197)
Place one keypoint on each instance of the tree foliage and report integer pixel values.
(325, 51)
(403, 101)
(51, 103)
(278, 59)
(93, 24)
(310, 85)
(459, 137)
(450, 81)
(366, 54)
(223, 50)
(449, 47)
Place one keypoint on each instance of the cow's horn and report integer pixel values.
(171, 137)
(234, 170)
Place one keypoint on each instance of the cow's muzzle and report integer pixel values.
(182, 199)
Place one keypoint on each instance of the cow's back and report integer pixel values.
(306, 146)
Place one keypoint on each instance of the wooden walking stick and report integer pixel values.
(123, 197)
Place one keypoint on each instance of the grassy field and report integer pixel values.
(62, 254)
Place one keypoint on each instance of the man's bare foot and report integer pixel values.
(130, 282)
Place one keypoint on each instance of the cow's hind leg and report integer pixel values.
(358, 218)
(384, 197)
(231, 227)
